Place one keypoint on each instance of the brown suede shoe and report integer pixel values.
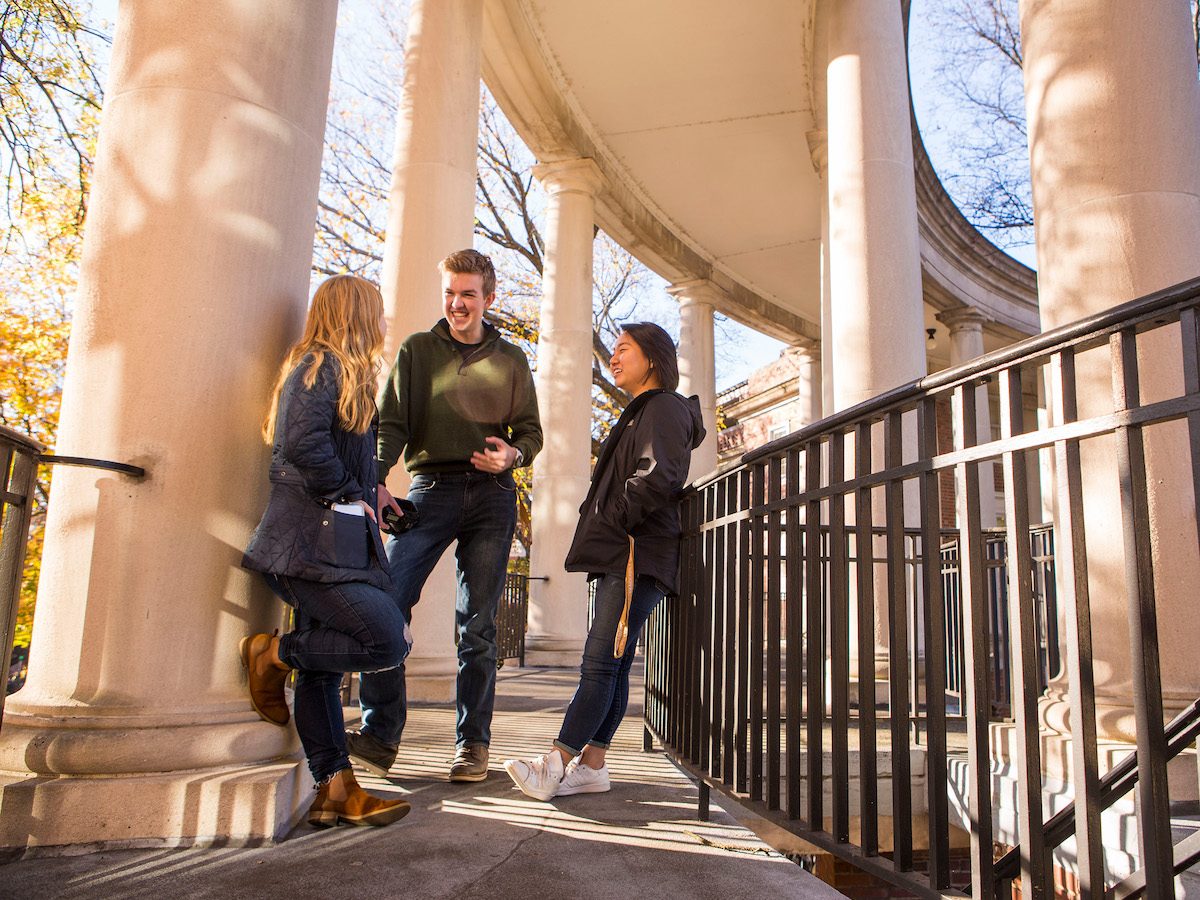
(470, 763)
(266, 690)
(359, 807)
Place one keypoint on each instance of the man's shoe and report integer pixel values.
(371, 753)
(470, 763)
(359, 807)
(266, 686)
(581, 779)
(540, 777)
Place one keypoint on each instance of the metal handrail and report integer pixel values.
(20, 455)
(18, 474)
(758, 573)
(1080, 335)
(1180, 733)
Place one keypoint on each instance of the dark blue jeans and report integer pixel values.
(480, 512)
(339, 628)
(603, 693)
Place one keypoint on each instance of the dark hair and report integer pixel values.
(653, 341)
(471, 262)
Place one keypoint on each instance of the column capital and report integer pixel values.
(818, 149)
(962, 318)
(581, 176)
(698, 292)
(806, 349)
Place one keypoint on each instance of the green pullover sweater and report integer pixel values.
(437, 407)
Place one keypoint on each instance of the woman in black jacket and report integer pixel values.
(628, 531)
(318, 543)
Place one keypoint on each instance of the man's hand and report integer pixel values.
(495, 458)
(383, 500)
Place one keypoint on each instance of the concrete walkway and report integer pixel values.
(487, 840)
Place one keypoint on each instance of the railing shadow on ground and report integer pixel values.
(747, 679)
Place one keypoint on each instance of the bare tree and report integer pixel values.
(978, 43)
(980, 69)
(352, 217)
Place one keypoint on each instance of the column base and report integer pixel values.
(232, 806)
(550, 650)
(431, 679)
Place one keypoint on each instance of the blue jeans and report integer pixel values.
(603, 693)
(480, 512)
(339, 628)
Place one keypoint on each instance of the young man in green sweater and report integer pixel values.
(459, 406)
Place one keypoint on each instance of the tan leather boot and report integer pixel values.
(359, 807)
(266, 688)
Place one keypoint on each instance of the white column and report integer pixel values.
(809, 388)
(697, 367)
(966, 343)
(561, 472)
(1114, 131)
(818, 148)
(135, 725)
(431, 214)
(876, 318)
(874, 258)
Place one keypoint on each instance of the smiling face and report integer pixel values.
(631, 369)
(463, 304)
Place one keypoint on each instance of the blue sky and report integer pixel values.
(739, 350)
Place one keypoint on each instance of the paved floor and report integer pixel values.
(485, 840)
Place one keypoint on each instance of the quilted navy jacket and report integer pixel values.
(315, 462)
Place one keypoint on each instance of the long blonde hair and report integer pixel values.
(344, 322)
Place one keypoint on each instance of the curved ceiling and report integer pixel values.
(698, 113)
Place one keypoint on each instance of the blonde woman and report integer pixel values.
(318, 543)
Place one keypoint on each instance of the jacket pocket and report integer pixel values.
(342, 540)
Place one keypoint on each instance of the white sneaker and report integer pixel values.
(540, 777)
(581, 779)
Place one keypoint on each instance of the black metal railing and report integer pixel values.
(18, 474)
(999, 648)
(749, 670)
(512, 617)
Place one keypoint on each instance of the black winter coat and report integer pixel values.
(640, 471)
(315, 462)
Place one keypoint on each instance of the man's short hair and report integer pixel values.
(471, 262)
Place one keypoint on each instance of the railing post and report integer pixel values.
(1154, 824)
(898, 692)
(865, 569)
(839, 643)
(935, 648)
(974, 601)
(1070, 567)
(814, 649)
(17, 476)
(1026, 689)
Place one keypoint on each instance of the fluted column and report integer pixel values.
(697, 366)
(1114, 131)
(431, 213)
(558, 605)
(874, 257)
(193, 283)
(966, 343)
(876, 318)
(809, 392)
(818, 148)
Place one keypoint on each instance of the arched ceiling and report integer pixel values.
(698, 112)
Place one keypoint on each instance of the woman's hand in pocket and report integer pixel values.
(367, 508)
